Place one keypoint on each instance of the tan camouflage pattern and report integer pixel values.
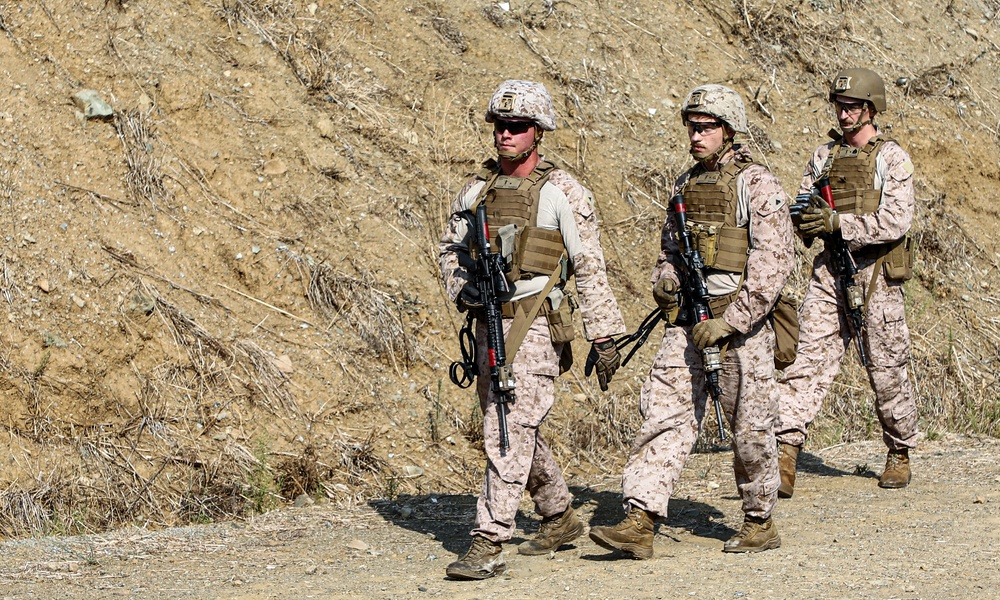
(673, 397)
(717, 101)
(519, 99)
(528, 464)
(564, 204)
(824, 334)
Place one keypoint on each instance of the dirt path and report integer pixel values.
(843, 538)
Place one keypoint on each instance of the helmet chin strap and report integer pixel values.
(715, 156)
(523, 155)
(857, 126)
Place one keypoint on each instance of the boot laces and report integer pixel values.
(548, 525)
(749, 529)
(895, 460)
(480, 546)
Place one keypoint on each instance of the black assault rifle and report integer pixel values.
(695, 292)
(846, 271)
(488, 274)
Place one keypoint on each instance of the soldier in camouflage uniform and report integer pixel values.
(871, 177)
(548, 205)
(738, 213)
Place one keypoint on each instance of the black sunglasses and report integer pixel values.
(704, 126)
(514, 127)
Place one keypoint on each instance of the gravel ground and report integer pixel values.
(843, 537)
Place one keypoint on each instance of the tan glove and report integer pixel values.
(819, 220)
(708, 333)
(665, 294)
(605, 358)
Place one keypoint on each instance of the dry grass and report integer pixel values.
(143, 176)
(374, 314)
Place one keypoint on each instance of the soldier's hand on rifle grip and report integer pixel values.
(469, 297)
(665, 293)
(708, 333)
(816, 220)
(603, 357)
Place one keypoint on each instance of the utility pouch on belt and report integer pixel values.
(785, 320)
(560, 317)
(899, 260)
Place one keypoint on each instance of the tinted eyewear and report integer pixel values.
(514, 127)
(703, 127)
(851, 108)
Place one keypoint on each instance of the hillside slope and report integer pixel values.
(226, 294)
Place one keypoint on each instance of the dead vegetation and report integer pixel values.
(195, 415)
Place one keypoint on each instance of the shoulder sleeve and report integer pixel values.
(598, 306)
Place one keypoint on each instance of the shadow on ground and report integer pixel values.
(810, 463)
(448, 519)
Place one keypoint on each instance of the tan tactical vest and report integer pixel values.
(514, 201)
(710, 197)
(851, 172)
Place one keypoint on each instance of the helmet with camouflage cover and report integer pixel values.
(717, 101)
(860, 84)
(519, 99)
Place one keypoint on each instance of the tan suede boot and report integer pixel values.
(787, 461)
(754, 536)
(553, 532)
(897, 469)
(483, 560)
(633, 536)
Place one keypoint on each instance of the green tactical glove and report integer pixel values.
(665, 294)
(708, 333)
(819, 220)
(605, 358)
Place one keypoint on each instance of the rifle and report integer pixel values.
(846, 271)
(492, 283)
(695, 291)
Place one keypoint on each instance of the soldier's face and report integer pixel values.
(707, 135)
(514, 136)
(850, 111)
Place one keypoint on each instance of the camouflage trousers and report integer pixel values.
(673, 404)
(528, 463)
(823, 340)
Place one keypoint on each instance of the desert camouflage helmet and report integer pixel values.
(518, 99)
(717, 101)
(860, 84)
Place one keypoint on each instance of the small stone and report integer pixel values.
(357, 545)
(979, 500)
(312, 570)
(80, 302)
(283, 363)
(303, 500)
(275, 166)
(43, 284)
(413, 471)
(326, 128)
(92, 105)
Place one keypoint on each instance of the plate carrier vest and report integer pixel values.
(514, 201)
(851, 172)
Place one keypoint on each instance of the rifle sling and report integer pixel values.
(523, 320)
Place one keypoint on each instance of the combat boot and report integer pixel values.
(553, 532)
(897, 469)
(633, 536)
(787, 460)
(483, 560)
(754, 536)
